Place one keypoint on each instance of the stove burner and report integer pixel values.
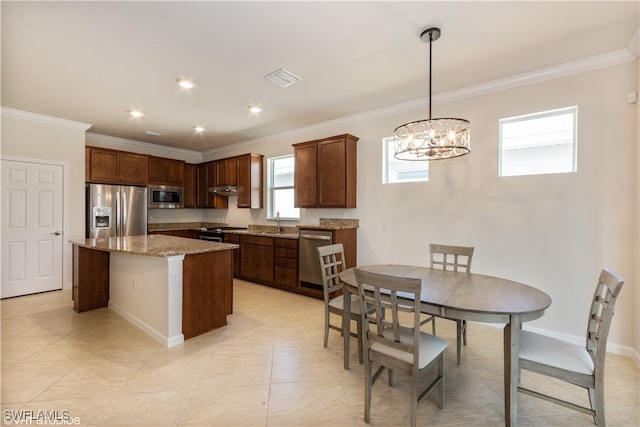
(216, 234)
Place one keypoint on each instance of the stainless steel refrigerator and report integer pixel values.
(115, 211)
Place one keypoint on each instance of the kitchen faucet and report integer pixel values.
(278, 220)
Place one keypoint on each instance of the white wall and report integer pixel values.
(554, 232)
(32, 136)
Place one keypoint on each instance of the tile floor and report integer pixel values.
(266, 368)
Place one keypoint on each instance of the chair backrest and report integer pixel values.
(601, 313)
(331, 265)
(451, 258)
(384, 307)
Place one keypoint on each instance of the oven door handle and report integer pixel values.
(315, 237)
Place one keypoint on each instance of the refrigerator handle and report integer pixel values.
(123, 214)
(118, 214)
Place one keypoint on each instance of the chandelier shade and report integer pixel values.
(432, 139)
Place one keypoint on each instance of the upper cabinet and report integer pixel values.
(118, 167)
(164, 171)
(249, 181)
(190, 186)
(226, 172)
(325, 172)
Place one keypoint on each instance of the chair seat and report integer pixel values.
(430, 348)
(338, 302)
(556, 353)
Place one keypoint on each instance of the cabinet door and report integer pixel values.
(214, 200)
(220, 173)
(190, 186)
(156, 170)
(134, 168)
(331, 174)
(103, 165)
(305, 176)
(202, 186)
(249, 181)
(174, 172)
(231, 176)
(256, 263)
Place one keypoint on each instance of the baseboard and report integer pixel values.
(153, 333)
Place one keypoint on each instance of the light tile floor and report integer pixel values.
(266, 368)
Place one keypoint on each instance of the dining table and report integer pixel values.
(466, 296)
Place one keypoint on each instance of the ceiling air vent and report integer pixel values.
(282, 77)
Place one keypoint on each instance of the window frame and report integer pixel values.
(387, 145)
(572, 110)
(271, 214)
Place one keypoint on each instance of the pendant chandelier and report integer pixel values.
(432, 139)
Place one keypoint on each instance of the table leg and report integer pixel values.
(511, 348)
(346, 324)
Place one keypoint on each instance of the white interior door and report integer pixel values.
(32, 203)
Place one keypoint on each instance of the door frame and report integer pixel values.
(66, 246)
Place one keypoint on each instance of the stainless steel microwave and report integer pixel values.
(164, 196)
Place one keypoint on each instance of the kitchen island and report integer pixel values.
(172, 288)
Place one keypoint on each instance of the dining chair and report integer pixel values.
(582, 366)
(393, 339)
(332, 263)
(451, 258)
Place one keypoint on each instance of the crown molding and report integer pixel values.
(584, 65)
(111, 140)
(41, 118)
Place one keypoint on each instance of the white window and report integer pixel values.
(394, 170)
(539, 143)
(280, 187)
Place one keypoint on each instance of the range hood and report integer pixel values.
(224, 190)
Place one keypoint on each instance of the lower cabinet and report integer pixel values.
(256, 259)
(286, 263)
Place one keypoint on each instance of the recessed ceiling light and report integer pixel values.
(135, 113)
(198, 129)
(186, 84)
(255, 108)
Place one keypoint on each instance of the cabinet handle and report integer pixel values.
(314, 237)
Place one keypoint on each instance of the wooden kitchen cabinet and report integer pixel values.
(326, 172)
(235, 239)
(116, 167)
(249, 181)
(190, 186)
(215, 201)
(286, 263)
(257, 259)
(163, 171)
(226, 171)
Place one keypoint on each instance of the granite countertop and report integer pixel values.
(171, 226)
(155, 245)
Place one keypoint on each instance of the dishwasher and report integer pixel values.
(309, 262)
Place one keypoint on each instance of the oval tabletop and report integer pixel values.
(465, 291)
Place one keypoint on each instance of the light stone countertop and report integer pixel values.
(156, 245)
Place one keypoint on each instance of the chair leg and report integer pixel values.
(414, 402)
(368, 384)
(596, 398)
(441, 385)
(326, 327)
(464, 332)
(458, 340)
(433, 326)
(360, 339)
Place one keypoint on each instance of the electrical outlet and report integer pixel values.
(386, 226)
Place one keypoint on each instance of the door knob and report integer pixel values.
(56, 233)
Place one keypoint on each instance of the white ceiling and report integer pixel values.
(92, 61)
